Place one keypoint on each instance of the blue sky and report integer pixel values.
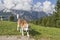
(34, 1)
(52, 1)
(38, 5)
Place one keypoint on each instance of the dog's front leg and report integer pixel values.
(17, 27)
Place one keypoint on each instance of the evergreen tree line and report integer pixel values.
(51, 21)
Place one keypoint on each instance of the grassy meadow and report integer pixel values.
(36, 31)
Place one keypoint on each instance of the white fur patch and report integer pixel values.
(26, 28)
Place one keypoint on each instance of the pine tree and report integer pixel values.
(57, 14)
(53, 20)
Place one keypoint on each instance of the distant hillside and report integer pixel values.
(28, 15)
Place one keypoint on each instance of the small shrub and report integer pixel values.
(11, 18)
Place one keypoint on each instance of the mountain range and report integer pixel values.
(28, 15)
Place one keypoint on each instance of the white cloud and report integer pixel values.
(53, 7)
(8, 4)
(29, 1)
(48, 7)
(1, 6)
(20, 4)
(37, 7)
(18, 7)
(27, 6)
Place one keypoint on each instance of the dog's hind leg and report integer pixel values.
(27, 33)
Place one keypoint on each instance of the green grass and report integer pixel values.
(38, 32)
(46, 33)
(8, 28)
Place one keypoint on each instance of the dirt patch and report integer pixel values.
(15, 38)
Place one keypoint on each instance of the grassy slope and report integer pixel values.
(8, 28)
(38, 32)
(46, 32)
